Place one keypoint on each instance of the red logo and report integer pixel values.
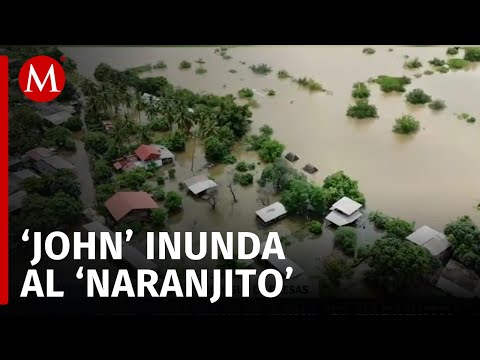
(41, 78)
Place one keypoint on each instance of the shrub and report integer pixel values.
(200, 71)
(159, 124)
(437, 62)
(399, 228)
(185, 65)
(336, 269)
(245, 93)
(232, 71)
(171, 173)
(309, 84)
(158, 194)
(159, 216)
(148, 188)
(471, 120)
(58, 136)
(437, 104)
(160, 65)
(413, 64)
(243, 179)
(266, 130)
(74, 123)
(102, 173)
(418, 96)
(253, 103)
(379, 219)
(270, 150)
(472, 54)
(262, 69)
(443, 69)
(390, 83)
(271, 92)
(175, 141)
(315, 227)
(452, 51)
(96, 142)
(229, 159)
(368, 51)
(283, 74)
(173, 201)
(362, 110)
(428, 72)
(346, 240)
(360, 91)
(160, 180)
(457, 64)
(241, 166)
(406, 124)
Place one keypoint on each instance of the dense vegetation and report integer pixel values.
(262, 69)
(245, 93)
(368, 51)
(283, 74)
(268, 149)
(362, 110)
(464, 236)
(184, 65)
(457, 64)
(452, 51)
(418, 96)
(413, 64)
(360, 91)
(437, 62)
(472, 54)
(437, 104)
(346, 240)
(391, 83)
(406, 124)
(309, 84)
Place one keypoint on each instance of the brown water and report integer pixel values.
(430, 178)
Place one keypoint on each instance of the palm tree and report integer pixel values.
(118, 135)
(127, 100)
(185, 121)
(88, 87)
(139, 104)
(208, 128)
(145, 135)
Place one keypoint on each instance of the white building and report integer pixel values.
(199, 184)
(345, 211)
(271, 213)
(431, 239)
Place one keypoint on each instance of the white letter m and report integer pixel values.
(40, 85)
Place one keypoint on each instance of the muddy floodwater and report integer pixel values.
(431, 177)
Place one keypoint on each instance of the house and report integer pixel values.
(134, 258)
(291, 157)
(432, 240)
(147, 153)
(130, 205)
(58, 118)
(197, 185)
(15, 200)
(144, 155)
(54, 113)
(166, 155)
(345, 211)
(39, 153)
(459, 281)
(271, 213)
(310, 168)
(52, 164)
(126, 163)
(16, 178)
(14, 163)
(24, 174)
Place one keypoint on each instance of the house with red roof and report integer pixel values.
(130, 205)
(144, 155)
(147, 153)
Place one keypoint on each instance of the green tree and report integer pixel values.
(173, 201)
(159, 216)
(337, 269)
(25, 130)
(339, 185)
(48, 185)
(66, 208)
(133, 179)
(362, 110)
(58, 136)
(396, 263)
(145, 135)
(302, 196)
(271, 150)
(96, 142)
(315, 227)
(406, 124)
(346, 240)
(418, 96)
(74, 123)
(175, 141)
(280, 175)
(398, 228)
(216, 149)
(360, 91)
(102, 172)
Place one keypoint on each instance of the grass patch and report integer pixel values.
(160, 65)
(368, 51)
(309, 84)
(391, 83)
(360, 91)
(245, 93)
(418, 96)
(184, 65)
(413, 64)
(458, 64)
(437, 104)
(283, 74)
(406, 124)
(262, 69)
(200, 71)
(362, 110)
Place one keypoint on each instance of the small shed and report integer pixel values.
(199, 184)
(310, 168)
(345, 211)
(271, 213)
(39, 153)
(291, 157)
(52, 164)
(459, 281)
(432, 240)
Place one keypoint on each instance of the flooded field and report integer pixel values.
(430, 178)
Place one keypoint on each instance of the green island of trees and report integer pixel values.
(467, 117)
(360, 91)
(391, 83)
(362, 110)
(418, 96)
(443, 69)
(406, 124)
(310, 84)
(472, 54)
(271, 92)
(261, 69)
(268, 149)
(140, 69)
(394, 227)
(283, 74)
(368, 51)
(184, 65)
(458, 64)
(452, 51)
(437, 62)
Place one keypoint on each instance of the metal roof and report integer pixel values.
(340, 219)
(199, 183)
(120, 204)
(271, 212)
(431, 239)
(346, 206)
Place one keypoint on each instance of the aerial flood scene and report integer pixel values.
(364, 159)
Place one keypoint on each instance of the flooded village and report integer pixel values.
(363, 159)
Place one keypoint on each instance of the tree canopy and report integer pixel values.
(338, 185)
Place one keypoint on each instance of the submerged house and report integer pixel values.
(271, 213)
(291, 157)
(130, 205)
(345, 211)
(54, 113)
(46, 162)
(459, 281)
(199, 184)
(310, 168)
(432, 240)
(144, 155)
